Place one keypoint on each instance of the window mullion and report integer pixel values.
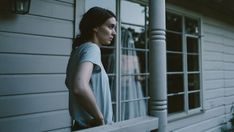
(186, 101)
(118, 65)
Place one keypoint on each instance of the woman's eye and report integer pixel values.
(111, 26)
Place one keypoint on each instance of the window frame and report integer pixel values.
(186, 111)
(119, 50)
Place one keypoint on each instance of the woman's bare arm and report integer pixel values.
(83, 92)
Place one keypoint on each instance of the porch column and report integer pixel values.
(157, 63)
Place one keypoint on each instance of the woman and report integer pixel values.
(87, 81)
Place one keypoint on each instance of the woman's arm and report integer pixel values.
(84, 94)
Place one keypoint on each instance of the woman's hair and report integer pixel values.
(93, 18)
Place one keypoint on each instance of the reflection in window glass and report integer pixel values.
(174, 42)
(108, 4)
(173, 22)
(191, 26)
(132, 13)
(192, 45)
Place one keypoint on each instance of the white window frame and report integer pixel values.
(186, 13)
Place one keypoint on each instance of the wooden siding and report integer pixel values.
(218, 80)
(34, 51)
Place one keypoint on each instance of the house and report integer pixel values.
(171, 67)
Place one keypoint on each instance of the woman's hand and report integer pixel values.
(96, 122)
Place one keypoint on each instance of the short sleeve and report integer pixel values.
(91, 53)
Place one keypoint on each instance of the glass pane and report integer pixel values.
(192, 45)
(142, 61)
(174, 42)
(112, 81)
(175, 83)
(194, 100)
(108, 4)
(114, 112)
(133, 109)
(145, 84)
(132, 36)
(132, 91)
(176, 103)
(191, 26)
(108, 59)
(193, 64)
(132, 62)
(174, 62)
(173, 22)
(193, 82)
(132, 13)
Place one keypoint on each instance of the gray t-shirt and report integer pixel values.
(99, 83)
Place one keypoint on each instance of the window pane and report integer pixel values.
(108, 4)
(193, 64)
(145, 84)
(191, 26)
(112, 83)
(174, 62)
(108, 59)
(142, 61)
(175, 83)
(193, 82)
(174, 42)
(132, 13)
(133, 109)
(132, 36)
(173, 22)
(194, 100)
(133, 62)
(114, 112)
(192, 45)
(176, 103)
(132, 97)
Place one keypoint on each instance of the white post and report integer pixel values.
(157, 63)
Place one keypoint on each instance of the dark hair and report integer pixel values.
(93, 18)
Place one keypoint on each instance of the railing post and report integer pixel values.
(157, 63)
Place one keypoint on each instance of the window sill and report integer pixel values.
(182, 115)
(133, 125)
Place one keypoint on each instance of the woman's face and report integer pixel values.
(106, 32)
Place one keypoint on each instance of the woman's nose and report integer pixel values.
(114, 32)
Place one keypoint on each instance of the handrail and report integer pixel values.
(139, 124)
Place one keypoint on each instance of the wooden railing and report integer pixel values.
(140, 124)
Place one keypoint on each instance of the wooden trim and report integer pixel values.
(133, 125)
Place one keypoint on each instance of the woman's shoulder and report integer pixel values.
(89, 46)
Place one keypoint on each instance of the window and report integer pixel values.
(183, 63)
(128, 75)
